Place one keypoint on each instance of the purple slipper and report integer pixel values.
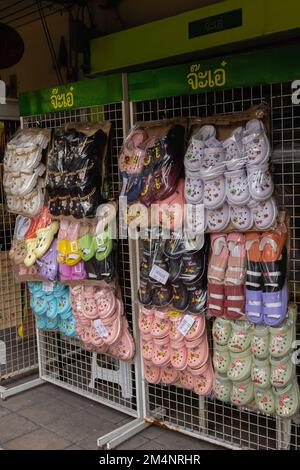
(65, 272)
(78, 271)
(275, 306)
(254, 306)
(48, 265)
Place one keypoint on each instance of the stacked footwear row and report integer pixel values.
(241, 195)
(80, 251)
(34, 247)
(75, 169)
(255, 365)
(85, 250)
(151, 161)
(226, 276)
(172, 272)
(23, 170)
(175, 349)
(100, 321)
(51, 306)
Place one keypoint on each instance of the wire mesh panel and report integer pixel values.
(64, 361)
(18, 349)
(181, 409)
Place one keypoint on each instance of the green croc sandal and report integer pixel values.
(240, 366)
(240, 338)
(242, 392)
(287, 399)
(221, 358)
(282, 337)
(265, 400)
(283, 370)
(222, 388)
(221, 330)
(260, 341)
(88, 246)
(261, 373)
(104, 244)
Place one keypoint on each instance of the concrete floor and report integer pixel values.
(49, 417)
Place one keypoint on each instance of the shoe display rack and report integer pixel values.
(62, 360)
(18, 346)
(180, 409)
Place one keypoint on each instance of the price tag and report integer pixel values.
(47, 286)
(159, 274)
(186, 324)
(101, 329)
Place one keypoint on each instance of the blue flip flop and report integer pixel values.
(66, 315)
(38, 304)
(68, 327)
(59, 289)
(52, 309)
(63, 303)
(52, 323)
(34, 286)
(41, 322)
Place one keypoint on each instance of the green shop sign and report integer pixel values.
(228, 71)
(101, 90)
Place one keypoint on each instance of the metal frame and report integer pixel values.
(219, 423)
(19, 354)
(62, 360)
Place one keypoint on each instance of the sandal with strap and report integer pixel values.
(260, 341)
(265, 400)
(242, 392)
(234, 302)
(222, 328)
(222, 388)
(221, 358)
(240, 338)
(203, 384)
(283, 370)
(218, 259)
(179, 354)
(236, 266)
(240, 366)
(216, 300)
(261, 373)
(282, 337)
(287, 399)
(169, 375)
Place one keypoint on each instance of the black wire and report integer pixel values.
(49, 5)
(12, 22)
(10, 6)
(49, 41)
(19, 11)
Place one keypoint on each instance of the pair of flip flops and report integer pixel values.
(266, 285)
(52, 307)
(226, 275)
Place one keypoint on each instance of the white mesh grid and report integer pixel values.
(62, 360)
(182, 409)
(18, 350)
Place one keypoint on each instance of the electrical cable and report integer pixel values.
(49, 42)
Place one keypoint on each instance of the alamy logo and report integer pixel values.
(2, 92)
(296, 92)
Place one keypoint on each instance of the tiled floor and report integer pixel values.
(50, 417)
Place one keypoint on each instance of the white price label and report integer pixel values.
(47, 286)
(186, 324)
(159, 274)
(101, 329)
